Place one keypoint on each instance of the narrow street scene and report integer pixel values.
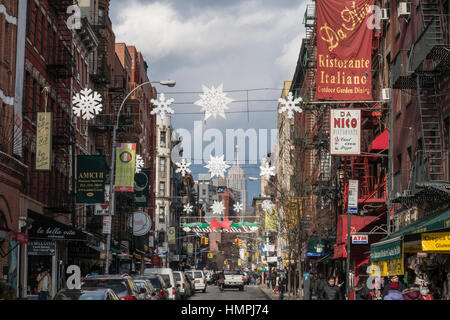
(194, 151)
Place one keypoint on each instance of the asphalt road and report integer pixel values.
(250, 292)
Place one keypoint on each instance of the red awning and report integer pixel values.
(381, 142)
(340, 251)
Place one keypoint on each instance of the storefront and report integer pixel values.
(420, 252)
(47, 248)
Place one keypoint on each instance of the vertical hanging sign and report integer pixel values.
(141, 188)
(345, 132)
(171, 235)
(125, 167)
(43, 141)
(91, 178)
(344, 44)
(353, 196)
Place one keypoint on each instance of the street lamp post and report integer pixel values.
(169, 83)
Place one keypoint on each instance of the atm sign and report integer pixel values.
(360, 239)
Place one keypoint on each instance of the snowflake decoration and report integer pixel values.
(217, 166)
(218, 208)
(139, 163)
(86, 104)
(214, 102)
(188, 208)
(290, 105)
(162, 106)
(253, 229)
(186, 229)
(266, 170)
(267, 205)
(238, 207)
(183, 167)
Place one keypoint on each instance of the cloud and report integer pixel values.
(159, 30)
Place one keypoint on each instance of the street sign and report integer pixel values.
(353, 196)
(20, 237)
(360, 239)
(107, 224)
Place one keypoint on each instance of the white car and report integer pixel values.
(199, 279)
(181, 282)
(169, 279)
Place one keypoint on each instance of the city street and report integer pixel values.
(250, 292)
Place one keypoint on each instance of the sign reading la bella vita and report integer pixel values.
(345, 132)
(344, 44)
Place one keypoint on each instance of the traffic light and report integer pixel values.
(206, 241)
(239, 242)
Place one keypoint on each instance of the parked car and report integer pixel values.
(185, 290)
(169, 279)
(190, 283)
(145, 288)
(122, 284)
(86, 294)
(159, 285)
(199, 279)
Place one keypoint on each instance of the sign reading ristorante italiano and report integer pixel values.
(91, 177)
(344, 44)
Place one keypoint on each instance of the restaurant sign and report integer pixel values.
(345, 132)
(387, 251)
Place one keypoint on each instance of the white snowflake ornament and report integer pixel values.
(162, 106)
(218, 207)
(188, 208)
(214, 102)
(86, 104)
(183, 167)
(267, 205)
(290, 105)
(139, 163)
(238, 207)
(266, 170)
(217, 166)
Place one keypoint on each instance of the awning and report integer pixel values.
(316, 247)
(381, 142)
(386, 250)
(45, 228)
(340, 251)
(431, 223)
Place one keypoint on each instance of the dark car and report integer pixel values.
(122, 284)
(159, 285)
(86, 294)
(190, 283)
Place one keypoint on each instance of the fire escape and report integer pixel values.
(63, 139)
(428, 61)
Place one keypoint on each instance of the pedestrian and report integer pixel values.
(387, 287)
(362, 290)
(331, 291)
(394, 293)
(282, 286)
(320, 285)
(44, 285)
(412, 293)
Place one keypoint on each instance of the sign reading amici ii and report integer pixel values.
(344, 44)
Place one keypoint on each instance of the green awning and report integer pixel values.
(386, 250)
(431, 223)
(116, 251)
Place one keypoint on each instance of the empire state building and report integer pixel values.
(237, 181)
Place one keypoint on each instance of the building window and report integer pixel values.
(162, 139)
(162, 214)
(101, 16)
(162, 164)
(204, 192)
(162, 189)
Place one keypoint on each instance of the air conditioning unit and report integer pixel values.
(386, 94)
(404, 9)
(385, 14)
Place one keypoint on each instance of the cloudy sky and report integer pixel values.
(251, 44)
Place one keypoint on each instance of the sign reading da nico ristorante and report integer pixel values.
(91, 177)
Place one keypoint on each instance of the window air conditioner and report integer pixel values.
(385, 14)
(404, 8)
(386, 94)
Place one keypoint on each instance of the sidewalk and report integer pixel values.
(272, 296)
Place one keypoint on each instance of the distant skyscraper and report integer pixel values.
(236, 180)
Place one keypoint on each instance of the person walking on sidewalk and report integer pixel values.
(331, 291)
(320, 285)
(282, 283)
(44, 285)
